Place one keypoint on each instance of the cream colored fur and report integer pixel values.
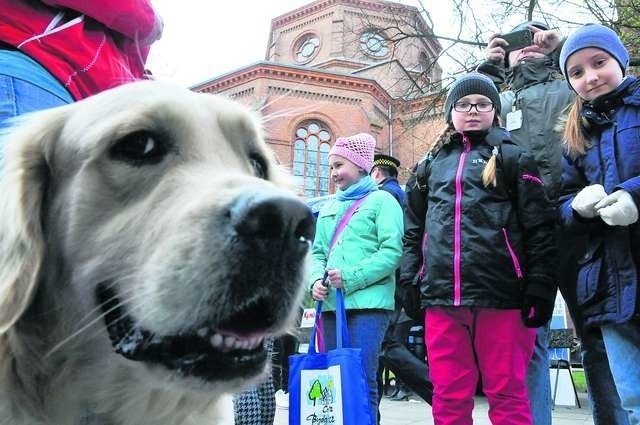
(72, 216)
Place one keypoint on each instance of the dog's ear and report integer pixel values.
(24, 179)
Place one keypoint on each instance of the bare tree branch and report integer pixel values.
(461, 41)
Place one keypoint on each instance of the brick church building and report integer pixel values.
(331, 69)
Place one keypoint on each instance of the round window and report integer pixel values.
(374, 44)
(306, 48)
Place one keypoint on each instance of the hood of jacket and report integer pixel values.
(530, 72)
(601, 110)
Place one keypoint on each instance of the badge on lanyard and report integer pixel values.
(514, 120)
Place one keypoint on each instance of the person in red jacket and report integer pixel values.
(53, 52)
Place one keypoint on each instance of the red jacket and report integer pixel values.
(88, 45)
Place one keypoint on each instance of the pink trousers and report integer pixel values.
(466, 343)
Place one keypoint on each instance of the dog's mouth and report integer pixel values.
(209, 353)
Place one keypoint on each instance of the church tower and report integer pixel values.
(338, 67)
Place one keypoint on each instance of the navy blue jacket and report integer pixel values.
(608, 278)
(391, 185)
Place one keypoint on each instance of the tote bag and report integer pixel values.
(329, 388)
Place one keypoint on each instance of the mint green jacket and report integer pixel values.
(367, 252)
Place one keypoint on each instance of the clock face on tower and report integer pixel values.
(375, 44)
(306, 47)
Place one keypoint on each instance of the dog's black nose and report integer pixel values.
(272, 216)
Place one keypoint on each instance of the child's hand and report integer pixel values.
(536, 311)
(495, 49)
(335, 278)
(617, 209)
(585, 201)
(319, 291)
(546, 40)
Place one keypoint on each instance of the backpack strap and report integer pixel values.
(509, 154)
(421, 171)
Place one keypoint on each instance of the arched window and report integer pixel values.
(311, 158)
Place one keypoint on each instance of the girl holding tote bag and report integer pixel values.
(362, 260)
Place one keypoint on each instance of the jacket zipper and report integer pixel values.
(53, 27)
(457, 281)
(512, 253)
(424, 256)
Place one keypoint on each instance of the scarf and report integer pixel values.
(358, 190)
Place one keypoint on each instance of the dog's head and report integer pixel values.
(158, 219)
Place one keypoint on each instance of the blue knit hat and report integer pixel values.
(471, 83)
(598, 36)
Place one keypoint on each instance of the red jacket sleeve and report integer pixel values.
(135, 19)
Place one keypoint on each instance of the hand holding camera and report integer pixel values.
(531, 39)
(517, 40)
(547, 41)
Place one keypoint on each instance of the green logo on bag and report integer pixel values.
(322, 393)
(323, 404)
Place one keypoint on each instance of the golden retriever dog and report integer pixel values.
(148, 246)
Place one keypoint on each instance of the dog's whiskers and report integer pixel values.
(110, 280)
(95, 320)
(284, 113)
(277, 99)
(133, 307)
(91, 312)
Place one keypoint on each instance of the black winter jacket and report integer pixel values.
(478, 246)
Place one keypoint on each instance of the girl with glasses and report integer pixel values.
(479, 238)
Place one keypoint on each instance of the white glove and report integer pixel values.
(617, 209)
(585, 201)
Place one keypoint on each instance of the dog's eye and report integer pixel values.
(259, 165)
(139, 148)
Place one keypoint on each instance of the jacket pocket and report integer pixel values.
(513, 255)
(590, 266)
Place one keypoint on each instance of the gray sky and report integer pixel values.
(203, 39)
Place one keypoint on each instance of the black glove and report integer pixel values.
(411, 299)
(536, 311)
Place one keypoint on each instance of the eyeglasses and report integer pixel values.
(466, 106)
